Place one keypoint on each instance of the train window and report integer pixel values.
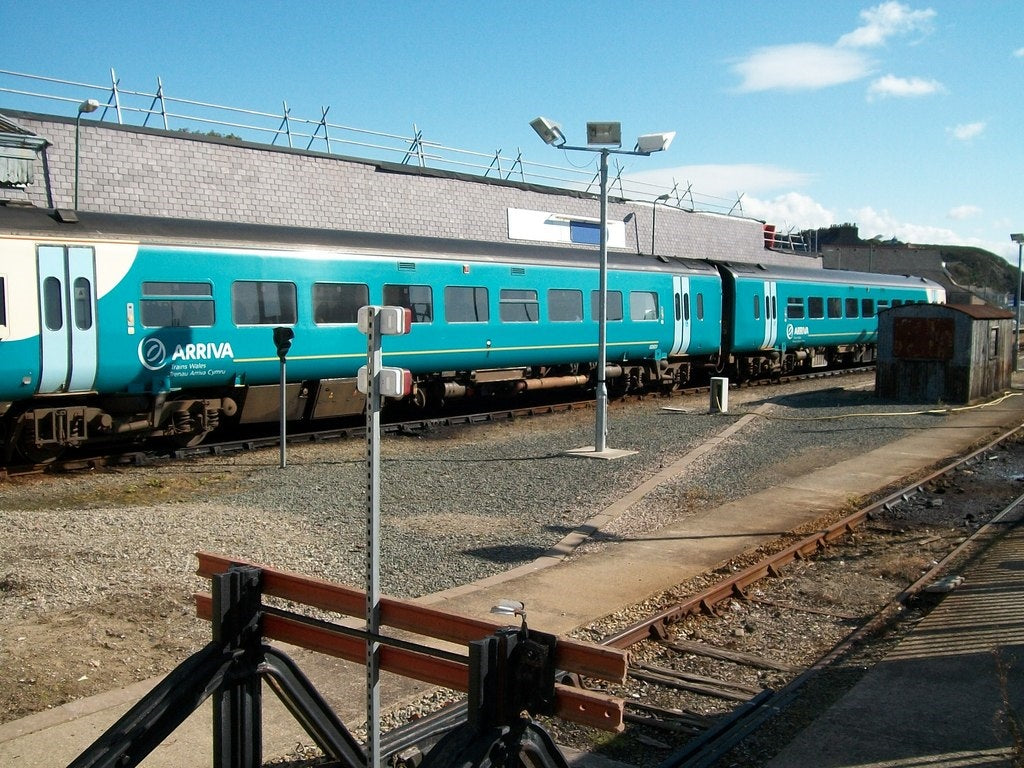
(565, 306)
(465, 304)
(263, 302)
(418, 298)
(700, 306)
(82, 303)
(867, 307)
(643, 305)
(795, 308)
(338, 302)
(883, 304)
(852, 308)
(897, 302)
(3, 302)
(191, 304)
(686, 307)
(518, 305)
(613, 305)
(835, 307)
(757, 307)
(815, 307)
(53, 306)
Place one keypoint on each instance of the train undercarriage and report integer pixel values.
(42, 429)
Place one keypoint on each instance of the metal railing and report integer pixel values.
(125, 106)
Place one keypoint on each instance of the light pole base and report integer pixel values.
(588, 452)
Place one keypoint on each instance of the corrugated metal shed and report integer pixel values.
(950, 353)
(18, 150)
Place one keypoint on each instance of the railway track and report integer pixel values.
(148, 454)
(711, 671)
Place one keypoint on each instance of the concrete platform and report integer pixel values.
(560, 595)
(947, 693)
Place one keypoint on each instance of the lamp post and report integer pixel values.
(604, 139)
(89, 105)
(654, 216)
(1018, 238)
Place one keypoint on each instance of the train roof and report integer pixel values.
(805, 274)
(29, 221)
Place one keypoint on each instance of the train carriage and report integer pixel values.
(779, 319)
(118, 326)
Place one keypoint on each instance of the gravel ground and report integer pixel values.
(97, 569)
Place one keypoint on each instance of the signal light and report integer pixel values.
(392, 382)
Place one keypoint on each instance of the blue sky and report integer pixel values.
(902, 117)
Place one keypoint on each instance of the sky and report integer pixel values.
(904, 118)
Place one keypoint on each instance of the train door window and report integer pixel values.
(418, 298)
(263, 302)
(679, 308)
(757, 307)
(643, 305)
(174, 304)
(466, 304)
(3, 302)
(686, 307)
(518, 305)
(53, 304)
(835, 307)
(867, 307)
(82, 303)
(338, 302)
(565, 306)
(613, 305)
(815, 307)
(852, 308)
(775, 308)
(700, 306)
(795, 308)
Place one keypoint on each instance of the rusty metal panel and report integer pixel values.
(923, 338)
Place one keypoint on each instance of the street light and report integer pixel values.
(1018, 238)
(89, 105)
(654, 215)
(603, 138)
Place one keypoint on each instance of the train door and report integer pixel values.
(681, 298)
(771, 315)
(67, 318)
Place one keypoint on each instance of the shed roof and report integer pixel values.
(982, 311)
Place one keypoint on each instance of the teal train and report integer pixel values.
(121, 328)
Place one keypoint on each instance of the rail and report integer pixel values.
(129, 106)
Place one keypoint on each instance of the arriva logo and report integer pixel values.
(153, 352)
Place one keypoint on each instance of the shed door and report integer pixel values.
(681, 314)
(67, 318)
(771, 315)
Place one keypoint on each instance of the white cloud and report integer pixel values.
(961, 212)
(800, 66)
(1019, 53)
(967, 131)
(789, 211)
(902, 87)
(885, 21)
(725, 182)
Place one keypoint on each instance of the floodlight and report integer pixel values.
(89, 105)
(604, 133)
(548, 130)
(1017, 237)
(654, 142)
